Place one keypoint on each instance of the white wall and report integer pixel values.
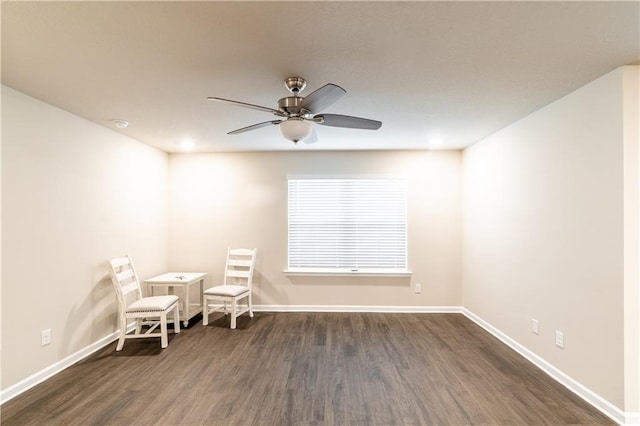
(220, 200)
(631, 165)
(543, 234)
(73, 194)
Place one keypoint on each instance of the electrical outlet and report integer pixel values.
(46, 337)
(418, 288)
(560, 339)
(535, 326)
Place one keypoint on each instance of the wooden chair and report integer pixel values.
(238, 277)
(142, 309)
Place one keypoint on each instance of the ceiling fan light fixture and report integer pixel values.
(295, 129)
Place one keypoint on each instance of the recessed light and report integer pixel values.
(435, 141)
(120, 124)
(187, 144)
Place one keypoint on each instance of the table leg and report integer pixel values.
(202, 296)
(186, 306)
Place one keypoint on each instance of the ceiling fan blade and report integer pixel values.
(322, 98)
(312, 138)
(337, 120)
(254, 126)
(246, 105)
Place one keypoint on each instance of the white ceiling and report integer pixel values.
(448, 71)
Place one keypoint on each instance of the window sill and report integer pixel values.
(345, 273)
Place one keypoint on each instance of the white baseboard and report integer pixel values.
(52, 370)
(357, 308)
(607, 408)
(632, 419)
(42, 375)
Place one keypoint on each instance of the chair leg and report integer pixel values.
(250, 306)
(138, 325)
(176, 320)
(233, 313)
(123, 332)
(120, 342)
(205, 311)
(164, 341)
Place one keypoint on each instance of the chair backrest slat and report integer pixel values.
(240, 266)
(120, 261)
(242, 252)
(238, 274)
(240, 262)
(125, 280)
(124, 275)
(126, 289)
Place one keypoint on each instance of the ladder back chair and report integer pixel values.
(238, 278)
(147, 311)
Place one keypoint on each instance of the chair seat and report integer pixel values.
(152, 304)
(236, 287)
(147, 311)
(226, 290)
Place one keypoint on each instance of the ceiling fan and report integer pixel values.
(299, 113)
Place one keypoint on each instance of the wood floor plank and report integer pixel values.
(307, 369)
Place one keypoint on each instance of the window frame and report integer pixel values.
(349, 271)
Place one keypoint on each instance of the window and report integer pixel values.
(352, 225)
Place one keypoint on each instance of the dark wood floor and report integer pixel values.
(307, 369)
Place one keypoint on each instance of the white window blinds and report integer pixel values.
(354, 224)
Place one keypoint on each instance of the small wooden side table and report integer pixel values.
(185, 280)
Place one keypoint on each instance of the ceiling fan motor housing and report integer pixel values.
(291, 106)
